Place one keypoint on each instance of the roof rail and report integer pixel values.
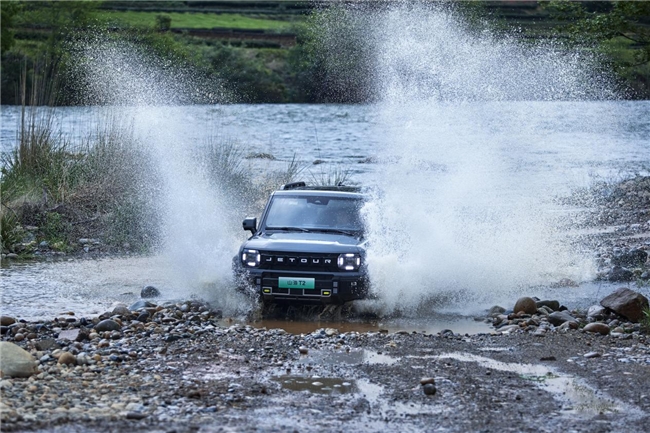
(293, 185)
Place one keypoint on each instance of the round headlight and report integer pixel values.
(251, 258)
(349, 261)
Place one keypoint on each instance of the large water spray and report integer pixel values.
(197, 235)
(454, 219)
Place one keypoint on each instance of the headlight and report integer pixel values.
(349, 261)
(250, 258)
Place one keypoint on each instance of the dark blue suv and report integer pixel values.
(308, 247)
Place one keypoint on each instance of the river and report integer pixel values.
(463, 157)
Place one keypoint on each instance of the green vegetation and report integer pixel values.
(193, 20)
(619, 30)
(645, 320)
(283, 51)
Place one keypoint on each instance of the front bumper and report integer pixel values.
(329, 287)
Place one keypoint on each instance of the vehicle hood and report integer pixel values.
(305, 242)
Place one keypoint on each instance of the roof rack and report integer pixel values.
(303, 186)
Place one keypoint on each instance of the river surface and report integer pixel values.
(533, 148)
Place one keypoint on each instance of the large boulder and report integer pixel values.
(627, 303)
(15, 361)
(525, 304)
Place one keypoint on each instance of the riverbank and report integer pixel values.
(176, 368)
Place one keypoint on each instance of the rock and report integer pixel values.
(7, 321)
(630, 259)
(551, 304)
(330, 332)
(46, 344)
(143, 317)
(597, 327)
(508, 329)
(139, 305)
(136, 415)
(596, 311)
(426, 380)
(69, 334)
(107, 325)
(121, 310)
(15, 361)
(525, 304)
(496, 310)
(149, 292)
(429, 389)
(627, 303)
(618, 274)
(557, 318)
(303, 350)
(67, 358)
(592, 355)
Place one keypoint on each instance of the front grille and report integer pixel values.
(299, 262)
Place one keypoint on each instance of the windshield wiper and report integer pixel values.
(343, 232)
(288, 229)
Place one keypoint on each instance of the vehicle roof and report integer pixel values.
(318, 193)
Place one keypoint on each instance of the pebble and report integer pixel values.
(303, 350)
(597, 327)
(591, 355)
(429, 389)
(67, 358)
(107, 325)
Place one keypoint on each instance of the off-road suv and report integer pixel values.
(308, 247)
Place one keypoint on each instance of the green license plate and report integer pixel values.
(296, 283)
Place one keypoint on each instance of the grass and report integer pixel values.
(195, 20)
(645, 320)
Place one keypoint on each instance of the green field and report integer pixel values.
(195, 20)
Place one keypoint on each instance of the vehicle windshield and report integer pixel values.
(314, 213)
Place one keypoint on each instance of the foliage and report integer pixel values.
(10, 231)
(645, 320)
(619, 29)
(8, 11)
(333, 60)
(163, 22)
(192, 20)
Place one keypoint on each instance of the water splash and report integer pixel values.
(197, 236)
(453, 218)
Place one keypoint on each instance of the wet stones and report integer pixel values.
(107, 325)
(632, 258)
(620, 274)
(627, 303)
(7, 321)
(557, 318)
(149, 292)
(597, 328)
(428, 385)
(526, 305)
(15, 361)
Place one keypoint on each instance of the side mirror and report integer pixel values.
(250, 224)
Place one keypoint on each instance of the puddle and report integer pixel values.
(577, 397)
(317, 385)
(353, 357)
(431, 325)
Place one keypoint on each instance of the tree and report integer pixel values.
(620, 29)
